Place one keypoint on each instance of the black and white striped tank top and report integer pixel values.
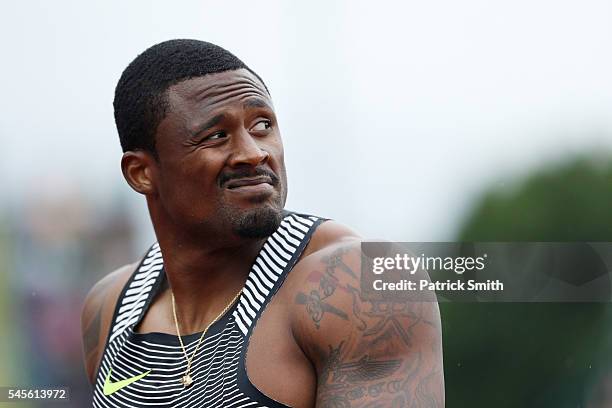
(219, 366)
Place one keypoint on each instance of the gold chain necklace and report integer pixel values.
(186, 380)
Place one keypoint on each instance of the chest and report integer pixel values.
(268, 357)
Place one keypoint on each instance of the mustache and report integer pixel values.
(247, 173)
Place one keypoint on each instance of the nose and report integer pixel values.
(247, 151)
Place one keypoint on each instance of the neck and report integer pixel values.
(203, 274)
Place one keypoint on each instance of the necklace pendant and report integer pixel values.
(186, 380)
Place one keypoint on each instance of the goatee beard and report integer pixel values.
(258, 223)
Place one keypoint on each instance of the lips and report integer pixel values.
(248, 181)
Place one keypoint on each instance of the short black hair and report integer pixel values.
(140, 96)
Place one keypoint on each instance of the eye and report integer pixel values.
(215, 136)
(262, 125)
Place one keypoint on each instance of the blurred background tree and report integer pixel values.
(534, 354)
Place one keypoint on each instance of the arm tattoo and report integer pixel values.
(91, 336)
(341, 382)
(316, 304)
(316, 307)
(364, 369)
(393, 355)
(92, 327)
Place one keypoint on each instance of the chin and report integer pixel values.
(260, 222)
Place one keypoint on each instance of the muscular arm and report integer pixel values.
(97, 314)
(366, 353)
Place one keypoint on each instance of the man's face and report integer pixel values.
(221, 166)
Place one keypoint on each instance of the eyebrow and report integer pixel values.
(255, 103)
(215, 120)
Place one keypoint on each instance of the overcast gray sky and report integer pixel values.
(394, 114)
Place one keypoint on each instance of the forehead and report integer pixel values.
(213, 91)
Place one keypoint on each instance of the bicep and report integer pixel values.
(383, 352)
(91, 326)
(96, 315)
(398, 364)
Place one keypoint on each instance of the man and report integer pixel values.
(251, 305)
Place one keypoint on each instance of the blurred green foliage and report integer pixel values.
(562, 202)
(533, 354)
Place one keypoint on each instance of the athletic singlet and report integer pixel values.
(218, 368)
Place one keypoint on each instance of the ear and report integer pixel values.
(139, 170)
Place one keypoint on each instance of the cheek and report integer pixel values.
(275, 149)
(278, 156)
(277, 162)
(188, 186)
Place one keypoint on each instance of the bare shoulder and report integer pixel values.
(97, 314)
(329, 233)
(383, 350)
